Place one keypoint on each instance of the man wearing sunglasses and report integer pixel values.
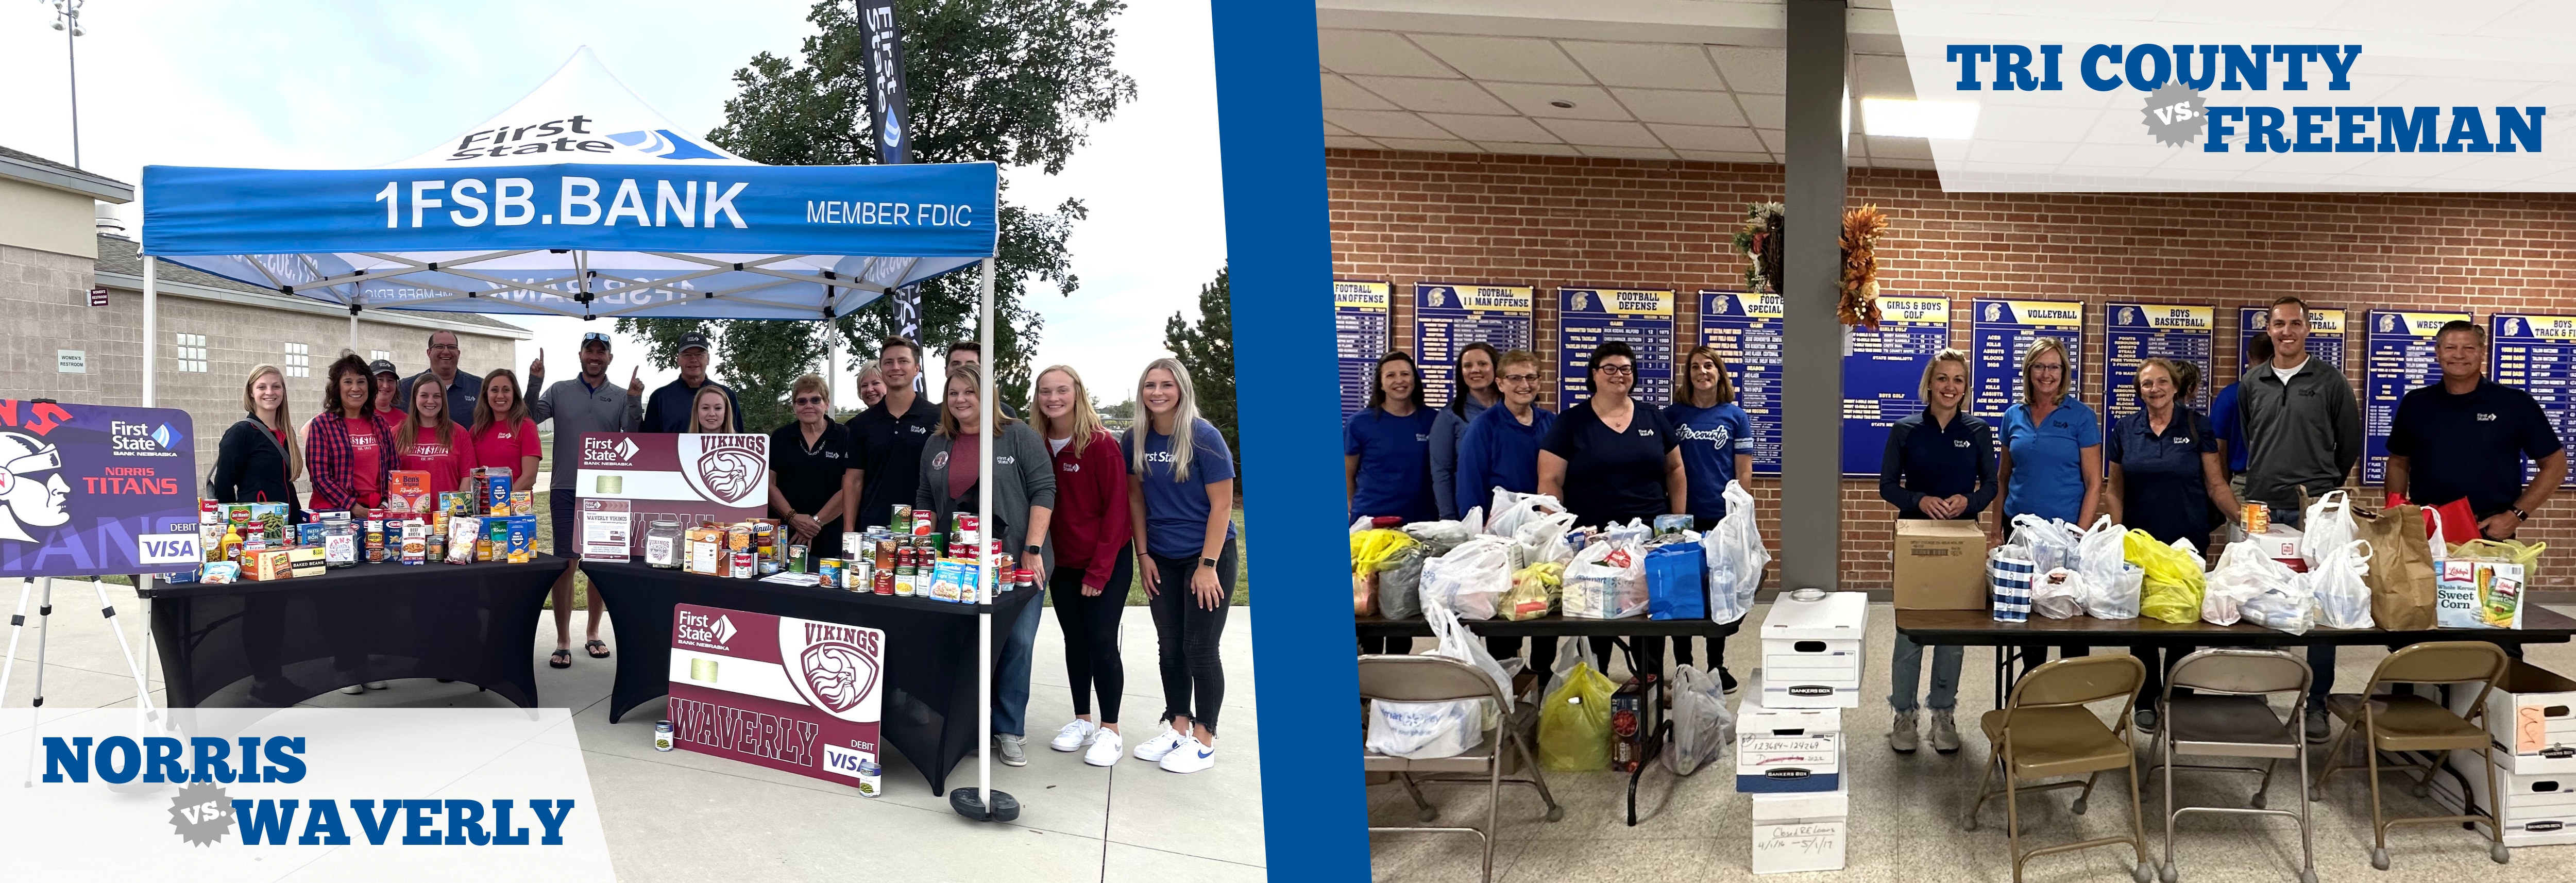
(668, 410)
(585, 404)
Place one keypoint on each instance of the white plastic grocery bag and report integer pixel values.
(1607, 580)
(2111, 583)
(2326, 527)
(2243, 573)
(2052, 543)
(2342, 599)
(1471, 578)
(1702, 725)
(2057, 594)
(1736, 558)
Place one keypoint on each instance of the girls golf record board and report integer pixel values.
(2325, 334)
(2000, 333)
(1883, 373)
(1448, 316)
(2537, 354)
(1589, 317)
(2401, 357)
(1362, 319)
(2132, 333)
(1744, 329)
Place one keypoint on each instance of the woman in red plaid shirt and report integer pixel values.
(348, 451)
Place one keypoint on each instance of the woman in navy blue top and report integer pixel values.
(2165, 476)
(1939, 464)
(1717, 448)
(1386, 450)
(1611, 460)
(1182, 503)
(1476, 391)
(1500, 447)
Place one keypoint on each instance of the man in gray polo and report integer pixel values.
(2302, 435)
(586, 403)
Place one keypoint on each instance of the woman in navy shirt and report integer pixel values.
(2165, 476)
(1386, 450)
(1182, 503)
(1611, 461)
(1939, 464)
(1717, 448)
(2052, 464)
(1476, 392)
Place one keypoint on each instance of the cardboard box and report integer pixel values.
(1636, 712)
(407, 490)
(2537, 810)
(1801, 832)
(2532, 715)
(305, 561)
(1940, 565)
(267, 565)
(1811, 651)
(1787, 750)
(2280, 542)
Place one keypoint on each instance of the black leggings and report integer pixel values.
(1188, 635)
(1090, 624)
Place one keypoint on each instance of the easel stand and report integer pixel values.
(144, 710)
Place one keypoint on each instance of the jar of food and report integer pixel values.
(662, 545)
(661, 735)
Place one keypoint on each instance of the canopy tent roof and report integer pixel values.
(579, 200)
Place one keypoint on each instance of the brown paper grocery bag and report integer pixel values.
(2401, 566)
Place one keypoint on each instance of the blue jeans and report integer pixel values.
(1011, 677)
(1905, 671)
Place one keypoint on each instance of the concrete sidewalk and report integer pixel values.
(684, 816)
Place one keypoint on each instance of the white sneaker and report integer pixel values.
(377, 685)
(354, 689)
(1161, 744)
(1189, 757)
(1106, 748)
(1009, 752)
(1074, 735)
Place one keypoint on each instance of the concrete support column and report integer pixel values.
(1811, 362)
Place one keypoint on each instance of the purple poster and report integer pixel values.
(89, 489)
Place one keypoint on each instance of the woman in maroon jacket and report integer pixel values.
(1091, 530)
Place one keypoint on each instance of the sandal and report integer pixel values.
(560, 659)
(597, 649)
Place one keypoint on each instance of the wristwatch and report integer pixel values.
(1209, 563)
(2518, 514)
(1035, 549)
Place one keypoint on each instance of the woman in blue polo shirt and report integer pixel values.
(1612, 460)
(2165, 476)
(1476, 391)
(1386, 450)
(2052, 461)
(1717, 448)
(1938, 464)
(1500, 450)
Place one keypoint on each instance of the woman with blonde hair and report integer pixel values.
(2052, 458)
(1938, 464)
(428, 440)
(1090, 530)
(257, 461)
(807, 460)
(1717, 450)
(952, 463)
(1182, 503)
(711, 410)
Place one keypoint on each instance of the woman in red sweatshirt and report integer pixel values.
(1093, 568)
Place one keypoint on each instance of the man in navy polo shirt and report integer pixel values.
(2467, 437)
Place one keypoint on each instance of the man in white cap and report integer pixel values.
(668, 410)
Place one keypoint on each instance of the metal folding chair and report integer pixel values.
(2044, 731)
(2226, 715)
(1503, 752)
(2396, 725)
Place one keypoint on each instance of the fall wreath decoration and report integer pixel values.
(1759, 241)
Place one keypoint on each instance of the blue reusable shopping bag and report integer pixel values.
(1676, 582)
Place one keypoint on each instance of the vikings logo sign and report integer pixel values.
(729, 470)
(834, 667)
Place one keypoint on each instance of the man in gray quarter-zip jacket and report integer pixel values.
(2302, 431)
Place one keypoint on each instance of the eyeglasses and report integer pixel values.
(1616, 369)
(1520, 378)
(2046, 369)
(809, 400)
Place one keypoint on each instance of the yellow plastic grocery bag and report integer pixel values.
(2172, 591)
(1574, 723)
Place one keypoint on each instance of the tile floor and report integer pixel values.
(684, 816)
(1906, 811)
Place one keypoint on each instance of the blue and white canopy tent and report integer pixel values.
(581, 200)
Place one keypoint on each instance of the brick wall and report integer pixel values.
(1565, 221)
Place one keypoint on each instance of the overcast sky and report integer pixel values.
(353, 85)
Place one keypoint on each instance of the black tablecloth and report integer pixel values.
(275, 643)
(931, 695)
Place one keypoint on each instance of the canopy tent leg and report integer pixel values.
(353, 332)
(985, 804)
(151, 399)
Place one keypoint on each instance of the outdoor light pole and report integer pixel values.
(67, 20)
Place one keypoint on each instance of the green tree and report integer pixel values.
(1014, 82)
(1207, 349)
